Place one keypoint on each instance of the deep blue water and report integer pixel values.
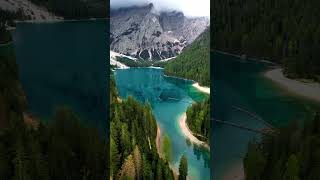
(169, 98)
(64, 64)
(238, 83)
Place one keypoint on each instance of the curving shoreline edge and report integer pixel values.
(201, 88)
(307, 90)
(188, 133)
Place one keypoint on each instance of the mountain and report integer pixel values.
(194, 62)
(55, 9)
(143, 32)
(27, 10)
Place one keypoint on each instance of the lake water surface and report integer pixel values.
(64, 64)
(169, 98)
(240, 84)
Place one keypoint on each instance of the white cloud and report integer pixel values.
(188, 7)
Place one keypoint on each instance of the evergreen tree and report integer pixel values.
(194, 61)
(133, 140)
(284, 32)
(291, 153)
(254, 162)
(128, 169)
(183, 168)
(166, 148)
(292, 169)
(198, 119)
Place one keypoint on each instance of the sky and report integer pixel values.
(188, 7)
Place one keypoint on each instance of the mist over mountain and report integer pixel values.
(191, 8)
(147, 33)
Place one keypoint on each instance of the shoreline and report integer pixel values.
(158, 145)
(307, 90)
(247, 58)
(176, 77)
(188, 133)
(6, 44)
(158, 140)
(203, 89)
(195, 84)
(58, 20)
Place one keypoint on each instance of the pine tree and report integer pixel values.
(4, 162)
(166, 148)
(128, 169)
(114, 157)
(254, 162)
(292, 169)
(183, 168)
(137, 160)
(21, 162)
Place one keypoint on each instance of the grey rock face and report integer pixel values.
(142, 32)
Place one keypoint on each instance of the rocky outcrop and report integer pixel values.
(28, 9)
(143, 32)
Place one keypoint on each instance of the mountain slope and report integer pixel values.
(55, 9)
(143, 32)
(27, 9)
(194, 62)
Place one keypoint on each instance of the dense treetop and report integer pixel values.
(198, 120)
(283, 31)
(29, 149)
(291, 153)
(183, 168)
(75, 9)
(133, 131)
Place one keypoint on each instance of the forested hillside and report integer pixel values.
(29, 149)
(283, 31)
(133, 131)
(290, 154)
(6, 18)
(75, 9)
(198, 119)
(194, 61)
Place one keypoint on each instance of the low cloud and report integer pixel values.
(188, 7)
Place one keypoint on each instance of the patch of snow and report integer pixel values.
(113, 60)
(154, 67)
(154, 19)
(168, 59)
(115, 54)
(118, 64)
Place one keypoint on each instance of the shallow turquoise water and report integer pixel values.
(238, 83)
(64, 64)
(169, 98)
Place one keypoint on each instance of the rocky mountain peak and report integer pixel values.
(143, 32)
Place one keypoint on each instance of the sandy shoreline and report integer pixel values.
(158, 140)
(308, 90)
(188, 134)
(158, 145)
(201, 88)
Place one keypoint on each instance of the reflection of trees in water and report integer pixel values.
(202, 153)
(170, 93)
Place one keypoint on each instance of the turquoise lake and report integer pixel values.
(64, 64)
(169, 98)
(240, 84)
